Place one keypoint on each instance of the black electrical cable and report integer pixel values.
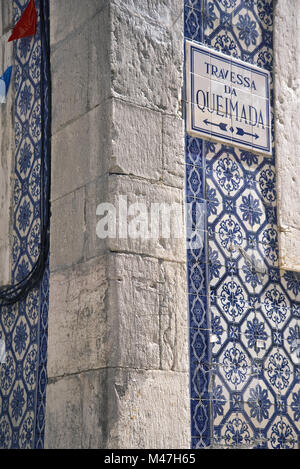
(16, 292)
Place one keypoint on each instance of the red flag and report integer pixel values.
(26, 26)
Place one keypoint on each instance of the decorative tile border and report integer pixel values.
(244, 311)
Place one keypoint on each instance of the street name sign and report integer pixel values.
(227, 99)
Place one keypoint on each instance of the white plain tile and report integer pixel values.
(261, 82)
(200, 67)
(203, 84)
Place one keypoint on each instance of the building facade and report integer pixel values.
(119, 330)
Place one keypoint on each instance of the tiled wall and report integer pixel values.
(23, 325)
(244, 311)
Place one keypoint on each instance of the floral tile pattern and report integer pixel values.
(23, 325)
(244, 311)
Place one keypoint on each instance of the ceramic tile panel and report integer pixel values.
(244, 310)
(24, 325)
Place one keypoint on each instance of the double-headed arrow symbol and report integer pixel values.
(223, 126)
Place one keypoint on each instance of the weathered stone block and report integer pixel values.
(67, 230)
(63, 23)
(288, 183)
(133, 302)
(77, 323)
(75, 411)
(148, 409)
(136, 141)
(167, 13)
(166, 240)
(173, 317)
(148, 319)
(289, 244)
(146, 61)
(96, 193)
(173, 151)
(81, 151)
(81, 71)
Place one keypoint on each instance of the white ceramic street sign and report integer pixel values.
(227, 100)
